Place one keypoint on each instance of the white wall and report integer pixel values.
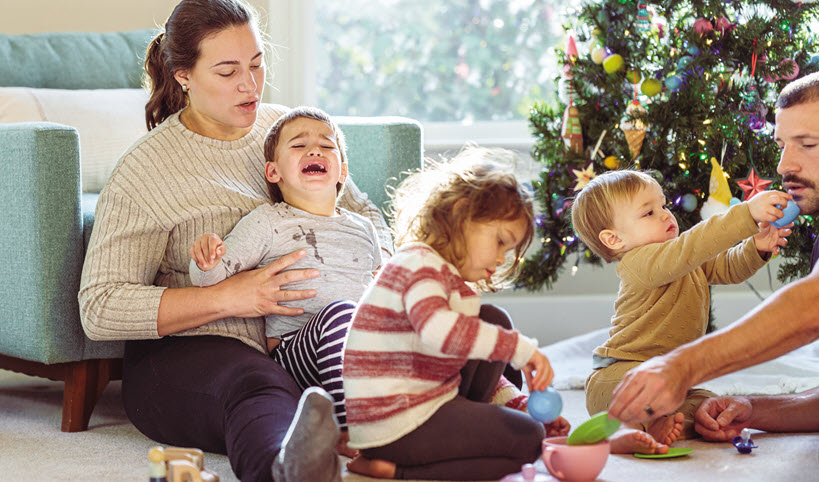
(575, 305)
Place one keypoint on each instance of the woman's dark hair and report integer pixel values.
(177, 48)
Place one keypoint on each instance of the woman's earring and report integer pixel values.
(185, 88)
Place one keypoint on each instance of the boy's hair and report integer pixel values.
(593, 206)
(433, 205)
(800, 91)
(271, 141)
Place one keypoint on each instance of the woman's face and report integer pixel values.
(225, 86)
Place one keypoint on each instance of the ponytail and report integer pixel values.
(166, 94)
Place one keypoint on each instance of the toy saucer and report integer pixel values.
(593, 430)
(672, 452)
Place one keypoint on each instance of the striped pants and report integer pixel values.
(313, 353)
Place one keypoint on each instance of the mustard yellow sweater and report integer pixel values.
(664, 299)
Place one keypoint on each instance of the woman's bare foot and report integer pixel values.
(633, 441)
(666, 430)
(376, 468)
(342, 448)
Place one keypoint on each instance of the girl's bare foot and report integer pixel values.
(666, 430)
(342, 448)
(633, 441)
(376, 468)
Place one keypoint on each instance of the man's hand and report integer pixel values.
(719, 419)
(647, 392)
(207, 251)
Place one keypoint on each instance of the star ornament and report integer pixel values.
(754, 184)
(584, 176)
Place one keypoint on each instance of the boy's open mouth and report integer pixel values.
(313, 169)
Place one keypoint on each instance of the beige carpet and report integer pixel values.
(32, 448)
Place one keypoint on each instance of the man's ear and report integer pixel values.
(271, 172)
(610, 239)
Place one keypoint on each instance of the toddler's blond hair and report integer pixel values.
(593, 206)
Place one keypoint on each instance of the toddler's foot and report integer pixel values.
(633, 441)
(379, 469)
(309, 449)
(666, 430)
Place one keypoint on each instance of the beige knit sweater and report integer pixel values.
(664, 298)
(171, 187)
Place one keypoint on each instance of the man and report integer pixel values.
(784, 322)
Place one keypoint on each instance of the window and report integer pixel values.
(467, 69)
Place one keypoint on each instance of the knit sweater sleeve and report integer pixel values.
(734, 265)
(117, 297)
(456, 334)
(352, 199)
(659, 264)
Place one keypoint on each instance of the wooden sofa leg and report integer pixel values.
(84, 382)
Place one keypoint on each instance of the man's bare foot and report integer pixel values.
(376, 468)
(666, 430)
(342, 448)
(633, 441)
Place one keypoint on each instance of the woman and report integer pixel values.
(195, 370)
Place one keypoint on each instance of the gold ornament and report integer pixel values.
(612, 162)
(583, 176)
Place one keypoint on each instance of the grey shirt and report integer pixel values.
(343, 248)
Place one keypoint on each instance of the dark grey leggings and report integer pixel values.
(467, 438)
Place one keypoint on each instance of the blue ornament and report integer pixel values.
(791, 212)
(673, 82)
(694, 50)
(545, 406)
(814, 60)
(689, 202)
(684, 62)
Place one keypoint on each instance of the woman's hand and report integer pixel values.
(207, 251)
(258, 292)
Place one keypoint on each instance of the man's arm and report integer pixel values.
(784, 322)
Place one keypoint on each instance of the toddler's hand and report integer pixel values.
(770, 238)
(560, 426)
(207, 251)
(763, 205)
(543, 372)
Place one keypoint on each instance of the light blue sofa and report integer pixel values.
(45, 219)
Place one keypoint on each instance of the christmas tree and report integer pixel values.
(684, 89)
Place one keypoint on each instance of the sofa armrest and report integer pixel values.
(379, 149)
(41, 233)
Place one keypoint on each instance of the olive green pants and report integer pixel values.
(601, 384)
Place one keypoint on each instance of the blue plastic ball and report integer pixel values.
(545, 406)
(734, 201)
(791, 212)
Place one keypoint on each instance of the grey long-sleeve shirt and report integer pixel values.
(343, 248)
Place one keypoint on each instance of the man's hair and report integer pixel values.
(800, 91)
(478, 185)
(271, 141)
(593, 206)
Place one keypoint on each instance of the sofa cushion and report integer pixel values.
(109, 121)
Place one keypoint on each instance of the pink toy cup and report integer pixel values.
(574, 462)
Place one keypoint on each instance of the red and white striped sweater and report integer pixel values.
(415, 327)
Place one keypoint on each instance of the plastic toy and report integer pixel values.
(177, 464)
(527, 473)
(593, 430)
(672, 452)
(545, 406)
(744, 443)
(791, 212)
